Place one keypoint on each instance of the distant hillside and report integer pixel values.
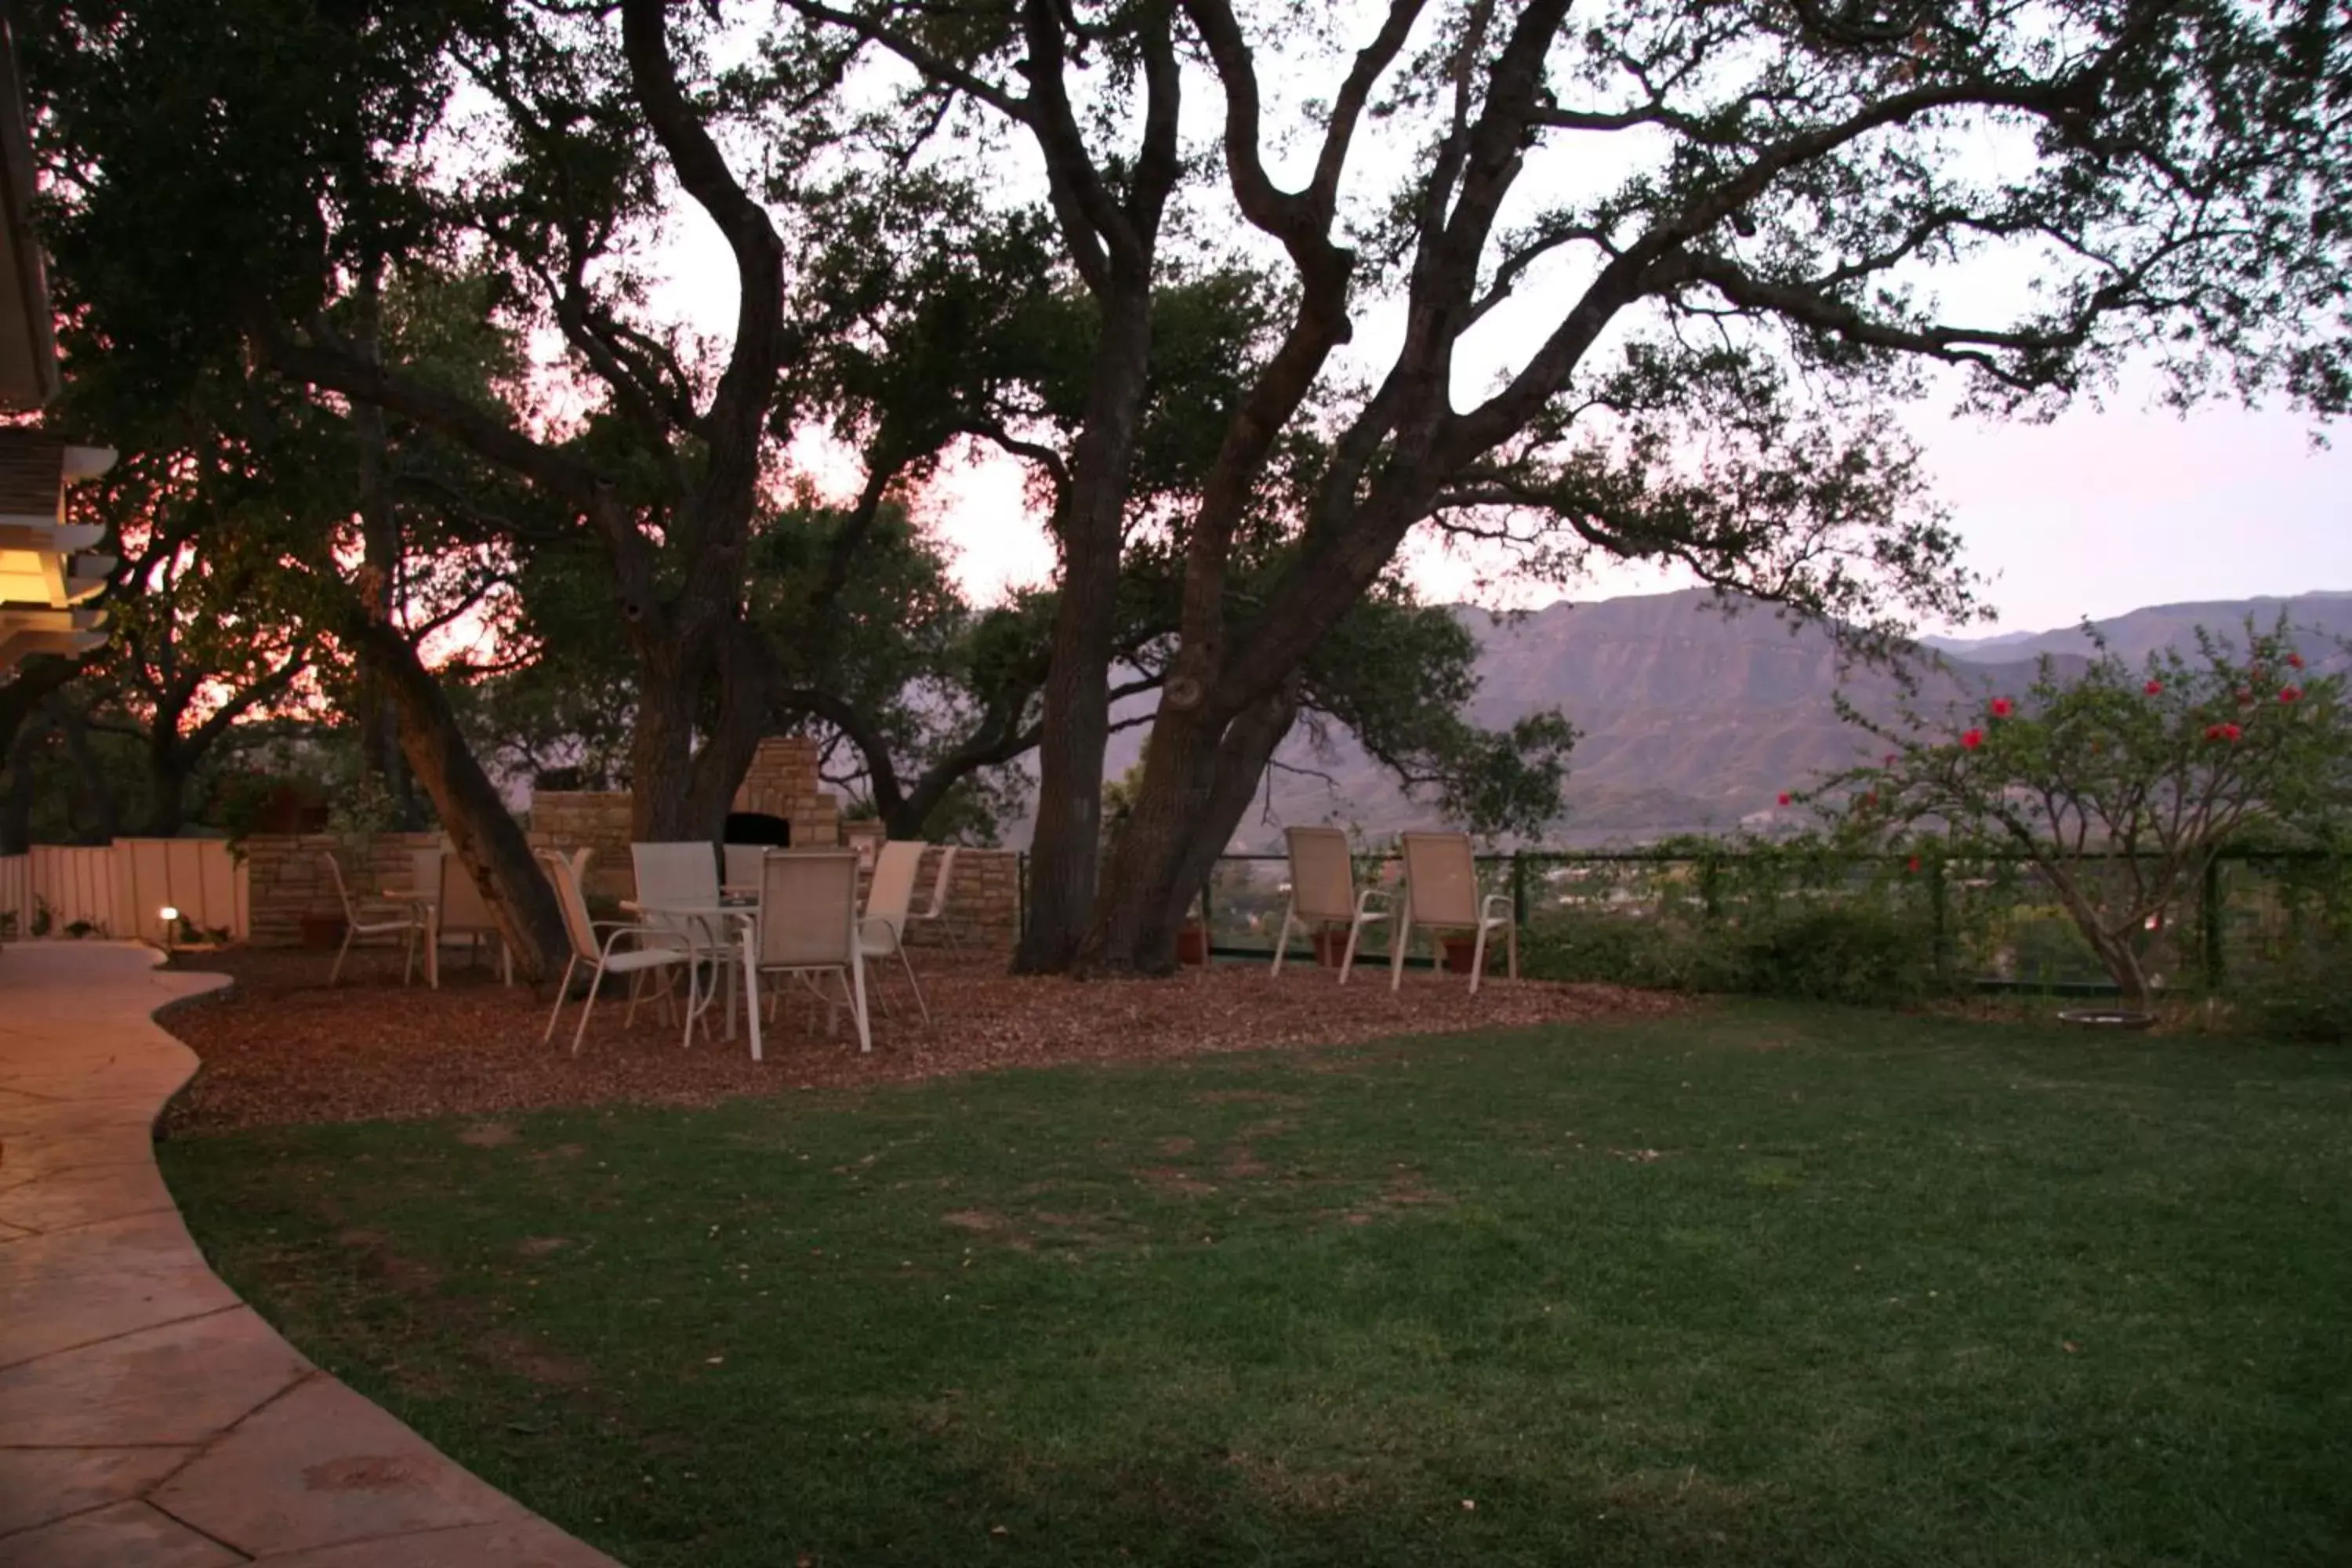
(1694, 720)
(2326, 617)
(1691, 719)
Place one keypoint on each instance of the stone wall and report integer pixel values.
(983, 901)
(287, 878)
(783, 781)
(569, 820)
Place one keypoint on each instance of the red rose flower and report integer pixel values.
(2003, 708)
(2212, 732)
(1890, 761)
(2291, 694)
(1868, 801)
(2230, 731)
(1784, 797)
(2294, 661)
(2154, 688)
(2244, 695)
(1912, 863)
(1972, 740)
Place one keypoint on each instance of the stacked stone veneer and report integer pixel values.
(566, 820)
(783, 781)
(288, 878)
(290, 881)
(983, 900)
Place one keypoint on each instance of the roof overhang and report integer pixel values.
(44, 568)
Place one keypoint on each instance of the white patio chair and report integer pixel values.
(685, 876)
(743, 867)
(937, 915)
(365, 916)
(808, 928)
(882, 931)
(424, 874)
(1441, 893)
(657, 949)
(459, 911)
(1323, 892)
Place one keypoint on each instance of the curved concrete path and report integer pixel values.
(148, 1417)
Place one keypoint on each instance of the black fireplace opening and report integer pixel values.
(758, 828)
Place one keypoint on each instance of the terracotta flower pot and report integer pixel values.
(1331, 947)
(322, 930)
(1193, 944)
(1459, 952)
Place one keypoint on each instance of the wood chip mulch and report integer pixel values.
(281, 1048)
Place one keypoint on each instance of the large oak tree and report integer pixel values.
(1714, 235)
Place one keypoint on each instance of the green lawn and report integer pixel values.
(1759, 1285)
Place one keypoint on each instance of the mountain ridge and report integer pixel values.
(1692, 720)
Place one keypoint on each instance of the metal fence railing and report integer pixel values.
(1988, 921)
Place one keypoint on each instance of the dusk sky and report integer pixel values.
(2101, 511)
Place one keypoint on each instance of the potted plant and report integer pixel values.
(1331, 945)
(1192, 939)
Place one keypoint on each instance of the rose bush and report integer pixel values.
(2118, 785)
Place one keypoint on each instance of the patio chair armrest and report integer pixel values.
(888, 922)
(1486, 907)
(614, 930)
(1369, 900)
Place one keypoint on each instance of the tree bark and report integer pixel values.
(167, 793)
(73, 723)
(680, 792)
(1065, 857)
(489, 842)
(24, 738)
(379, 725)
(1198, 780)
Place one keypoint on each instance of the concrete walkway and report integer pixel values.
(147, 1416)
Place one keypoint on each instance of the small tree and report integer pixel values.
(2118, 785)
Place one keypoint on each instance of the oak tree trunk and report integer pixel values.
(1064, 856)
(680, 792)
(167, 792)
(489, 842)
(1199, 780)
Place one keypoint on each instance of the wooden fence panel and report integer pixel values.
(16, 897)
(122, 889)
(197, 877)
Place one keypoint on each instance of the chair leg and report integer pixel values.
(1282, 942)
(1511, 940)
(1477, 957)
(1401, 934)
(588, 1007)
(408, 954)
(1348, 959)
(563, 988)
(857, 989)
(914, 985)
(351, 930)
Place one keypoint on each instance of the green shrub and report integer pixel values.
(1819, 952)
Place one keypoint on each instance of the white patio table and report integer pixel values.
(705, 925)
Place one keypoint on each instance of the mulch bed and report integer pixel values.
(282, 1047)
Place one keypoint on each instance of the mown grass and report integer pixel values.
(1764, 1284)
